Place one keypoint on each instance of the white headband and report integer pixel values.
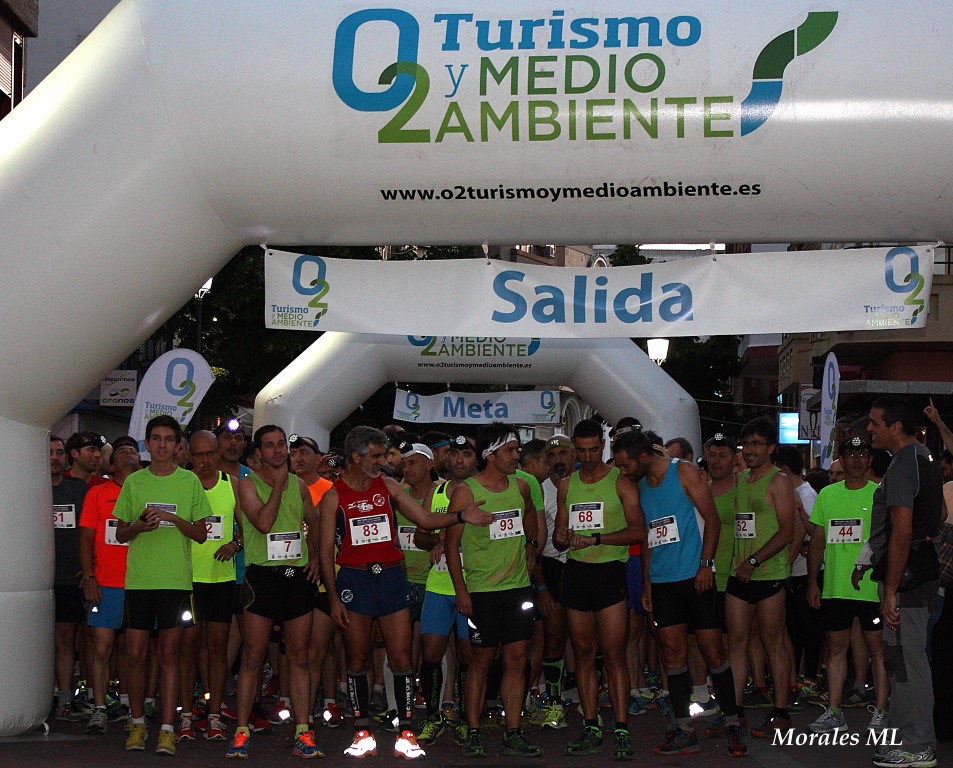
(495, 446)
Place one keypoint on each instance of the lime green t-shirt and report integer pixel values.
(220, 529)
(161, 559)
(586, 503)
(416, 561)
(286, 536)
(844, 520)
(494, 558)
(755, 523)
(535, 489)
(438, 580)
(725, 506)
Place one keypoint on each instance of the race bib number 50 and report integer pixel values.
(506, 524)
(664, 530)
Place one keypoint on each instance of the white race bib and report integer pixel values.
(405, 538)
(214, 528)
(64, 515)
(506, 524)
(586, 516)
(845, 531)
(664, 530)
(284, 546)
(110, 535)
(745, 525)
(441, 565)
(166, 508)
(369, 530)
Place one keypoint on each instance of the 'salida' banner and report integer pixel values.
(838, 290)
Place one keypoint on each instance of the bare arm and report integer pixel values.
(327, 518)
(262, 514)
(945, 434)
(429, 520)
(461, 498)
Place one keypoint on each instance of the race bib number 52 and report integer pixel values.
(745, 525)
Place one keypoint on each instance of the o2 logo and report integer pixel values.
(912, 282)
(547, 402)
(183, 390)
(317, 288)
(412, 401)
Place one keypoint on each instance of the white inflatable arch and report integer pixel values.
(178, 133)
(341, 370)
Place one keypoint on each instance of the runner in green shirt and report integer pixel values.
(841, 520)
(161, 510)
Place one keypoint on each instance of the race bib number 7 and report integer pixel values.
(506, 524)
(284, 546)
(846, 531)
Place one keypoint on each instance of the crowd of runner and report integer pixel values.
(452, 585)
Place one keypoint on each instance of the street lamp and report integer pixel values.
(658, 350)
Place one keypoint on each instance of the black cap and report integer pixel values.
(855, 443)
(463, 443)
(296, 441)
(119, 442)
(719, 438)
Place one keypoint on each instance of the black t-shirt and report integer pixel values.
(67, 506)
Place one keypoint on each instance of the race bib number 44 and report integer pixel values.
(664, 530)
(506, 524)
(586, 516)
(745, 525)
(64, 515)
(369, 530)
(846, 531)
(284, 546)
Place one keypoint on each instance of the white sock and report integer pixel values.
(701, 693)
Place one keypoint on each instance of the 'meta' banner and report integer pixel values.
(173, 386)
(842, 290)
(536, 407)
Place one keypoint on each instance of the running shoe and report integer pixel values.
(97, 721)
(757, 699)
(419, 701)
(66, 712)
(736, 741)
(623, 746)
(770, 725)
(707, 708)
(604, 701)
(898, 758)
(166, 743)
(332, 717)
(664, 703)
(551, 716)
(280, 713)
(855, 699)
(451, 715)
(136, 740)
(717, 728)
(878, 719)
(239, 745)
(388, 721)
(493, 719)
(258, 720)
(829, 721)
(215, 730)
(149, 709)
(407, 748)
(460, 732)
(228, 713)
(431, 729)
(362, 746)
(305, 746)
(515, 743)
(473, 744)
(183, 729)
(681, 742)
(588, 743)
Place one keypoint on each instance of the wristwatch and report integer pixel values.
(533, 542)
(706, 563)
(753, 562)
